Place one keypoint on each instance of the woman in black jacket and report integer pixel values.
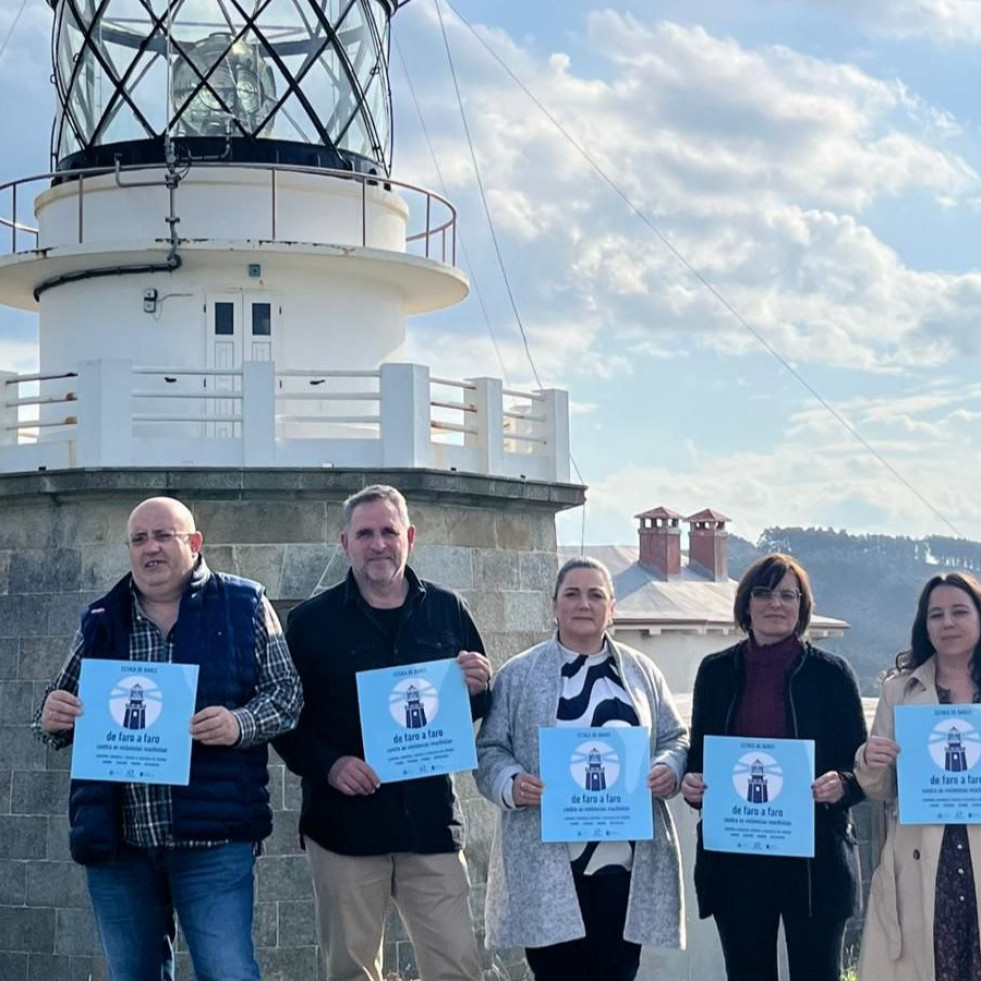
(776, 685)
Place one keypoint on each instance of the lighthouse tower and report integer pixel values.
(222, 259)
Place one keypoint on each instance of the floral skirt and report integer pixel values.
(956, 947)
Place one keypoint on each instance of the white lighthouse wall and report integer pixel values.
(232, 203)
(323, 318)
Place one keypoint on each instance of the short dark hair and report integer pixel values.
(920, 648)
(376, 492)
(767, 572)
(584, 562)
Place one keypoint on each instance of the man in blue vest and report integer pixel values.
(370, 842)
(152, 851)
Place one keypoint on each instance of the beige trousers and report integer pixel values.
(431, 893)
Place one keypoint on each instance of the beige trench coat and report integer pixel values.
(897, 942)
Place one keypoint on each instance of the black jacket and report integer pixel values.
(823, 704)
(331, 637)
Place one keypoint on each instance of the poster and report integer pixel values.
(758, 797)
(135, 726)
(416, 721)
(595, 783)
(937, 768)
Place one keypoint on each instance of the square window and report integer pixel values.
(261, 319)
(224, 318)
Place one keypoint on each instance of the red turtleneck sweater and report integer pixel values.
(762, 710)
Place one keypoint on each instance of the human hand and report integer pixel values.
(476, 671)
(353, 777)
(526, 790)
(60, 710)
(215, 726)
(880, 751)
(829, 788)
(661, 780)
(692, 788)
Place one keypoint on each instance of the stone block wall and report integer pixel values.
(61, 546)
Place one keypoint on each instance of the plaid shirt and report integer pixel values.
(275, 708)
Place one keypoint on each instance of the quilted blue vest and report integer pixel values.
(227, 797)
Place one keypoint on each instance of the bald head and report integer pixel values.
(163, 548)
(168, 508)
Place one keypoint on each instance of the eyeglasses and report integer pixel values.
(764, 594)
(162, 536)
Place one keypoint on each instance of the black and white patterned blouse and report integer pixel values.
(592, 695)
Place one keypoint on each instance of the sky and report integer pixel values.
(809, 176)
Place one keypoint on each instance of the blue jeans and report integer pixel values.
(209, 889)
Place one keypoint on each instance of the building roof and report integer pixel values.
(690, 600)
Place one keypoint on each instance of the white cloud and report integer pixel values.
(757, 165)
(946, 22)
(20, 357)
(816, 471)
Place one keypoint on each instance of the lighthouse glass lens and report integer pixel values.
(310, 72)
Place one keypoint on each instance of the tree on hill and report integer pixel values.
(871, 581)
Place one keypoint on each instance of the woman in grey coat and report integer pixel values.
(580, 910)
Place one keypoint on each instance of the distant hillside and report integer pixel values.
(872, 581)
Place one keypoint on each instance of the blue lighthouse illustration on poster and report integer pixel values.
(416, 721)
(415, 711)
(595, 771)
(756, 788)
(758, 796)
(938, 770)
(955, 757)
(135, 714)
(595, 783)
(135, 726)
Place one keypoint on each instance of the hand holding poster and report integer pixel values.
(758, 796)
(415, 720)
(595, 783)
(937, 769)
(135, 726)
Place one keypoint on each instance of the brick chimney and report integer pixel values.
(707, 543)
(660, 540)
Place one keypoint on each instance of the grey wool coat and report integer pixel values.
(531, 898)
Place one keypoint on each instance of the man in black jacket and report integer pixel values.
(369, 842)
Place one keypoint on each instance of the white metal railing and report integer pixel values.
(254, 416)
(292, 398)
(431, 232)
(25, 426)
(218, 413)
(453, 416)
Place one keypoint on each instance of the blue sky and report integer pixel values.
(818, 162)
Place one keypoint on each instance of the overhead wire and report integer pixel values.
(493, 232)
(483, 197)
(706, 283)
(10, 32)
(443, 187)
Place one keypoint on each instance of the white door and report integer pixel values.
(240, 326)
(261, 324)
(224, 341)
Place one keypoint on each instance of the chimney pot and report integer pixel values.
(660, 540)
(707, 548)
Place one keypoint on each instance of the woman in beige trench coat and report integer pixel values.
(922, 922)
